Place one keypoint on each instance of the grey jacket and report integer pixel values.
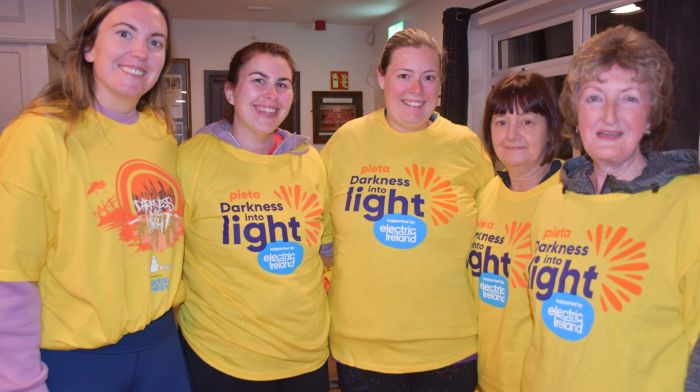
(692, 383)
(662, 167)
(290, 141)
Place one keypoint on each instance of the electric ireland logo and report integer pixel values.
(567, 277)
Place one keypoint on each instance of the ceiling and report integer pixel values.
(357, 12)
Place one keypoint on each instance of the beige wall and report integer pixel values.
(425, 15)
(210, 44)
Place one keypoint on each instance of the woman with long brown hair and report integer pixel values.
(92, 217)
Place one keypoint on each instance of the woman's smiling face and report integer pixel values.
(262, 96)
(411, 87)
(128, 54)
(613, 116)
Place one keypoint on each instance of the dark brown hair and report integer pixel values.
(524, 93)
(630, 49)
(244, 55)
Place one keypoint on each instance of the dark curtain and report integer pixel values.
(455, 87)
(675, 25)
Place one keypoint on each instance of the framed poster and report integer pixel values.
(331, 109)
(178, 95)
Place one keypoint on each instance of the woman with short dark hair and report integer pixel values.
(521, 131)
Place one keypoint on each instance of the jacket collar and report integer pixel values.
(661, 168)
(290, 141)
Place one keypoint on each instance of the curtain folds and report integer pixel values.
(675, 25)
(455, 85)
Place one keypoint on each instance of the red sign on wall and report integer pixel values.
(340, 80)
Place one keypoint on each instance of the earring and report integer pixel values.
(648, 131)
(576, 130)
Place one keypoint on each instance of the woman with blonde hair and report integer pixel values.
(403, 213)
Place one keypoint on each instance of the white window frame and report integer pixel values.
(517, 17)
(588, 12)
(552, 67)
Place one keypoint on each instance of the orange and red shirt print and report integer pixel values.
(146, 211)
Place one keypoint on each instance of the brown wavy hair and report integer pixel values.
(630, 49)
(68, 96)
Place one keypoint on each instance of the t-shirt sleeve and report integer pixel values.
(28, 171)
(327, 236)
(689, 279)
(690, 287)
(483, 166)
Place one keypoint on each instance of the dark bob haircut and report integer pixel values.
(524, 93)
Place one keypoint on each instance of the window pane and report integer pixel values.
(550, 43)
(604, 20)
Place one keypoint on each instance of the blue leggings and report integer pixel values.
(148, 360)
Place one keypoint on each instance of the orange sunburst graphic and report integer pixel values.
(518, 235)
(626, 266)
(308, 204)
(443, 200)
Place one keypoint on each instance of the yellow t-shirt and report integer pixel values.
(255, 306)
(95, 219)
(497, 263)
(614, 286)
(403, 211)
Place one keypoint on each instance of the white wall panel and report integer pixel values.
(11, 81)
(27, 21)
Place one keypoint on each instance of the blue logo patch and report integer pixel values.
(281, 257)
(569, 316)
(400, 231)
(159, 284)
(493, 289)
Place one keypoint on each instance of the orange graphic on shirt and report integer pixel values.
(626, 266)
(441, 200)
(147, 208)
(96, 186)
(518, 235)
(309, 205)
